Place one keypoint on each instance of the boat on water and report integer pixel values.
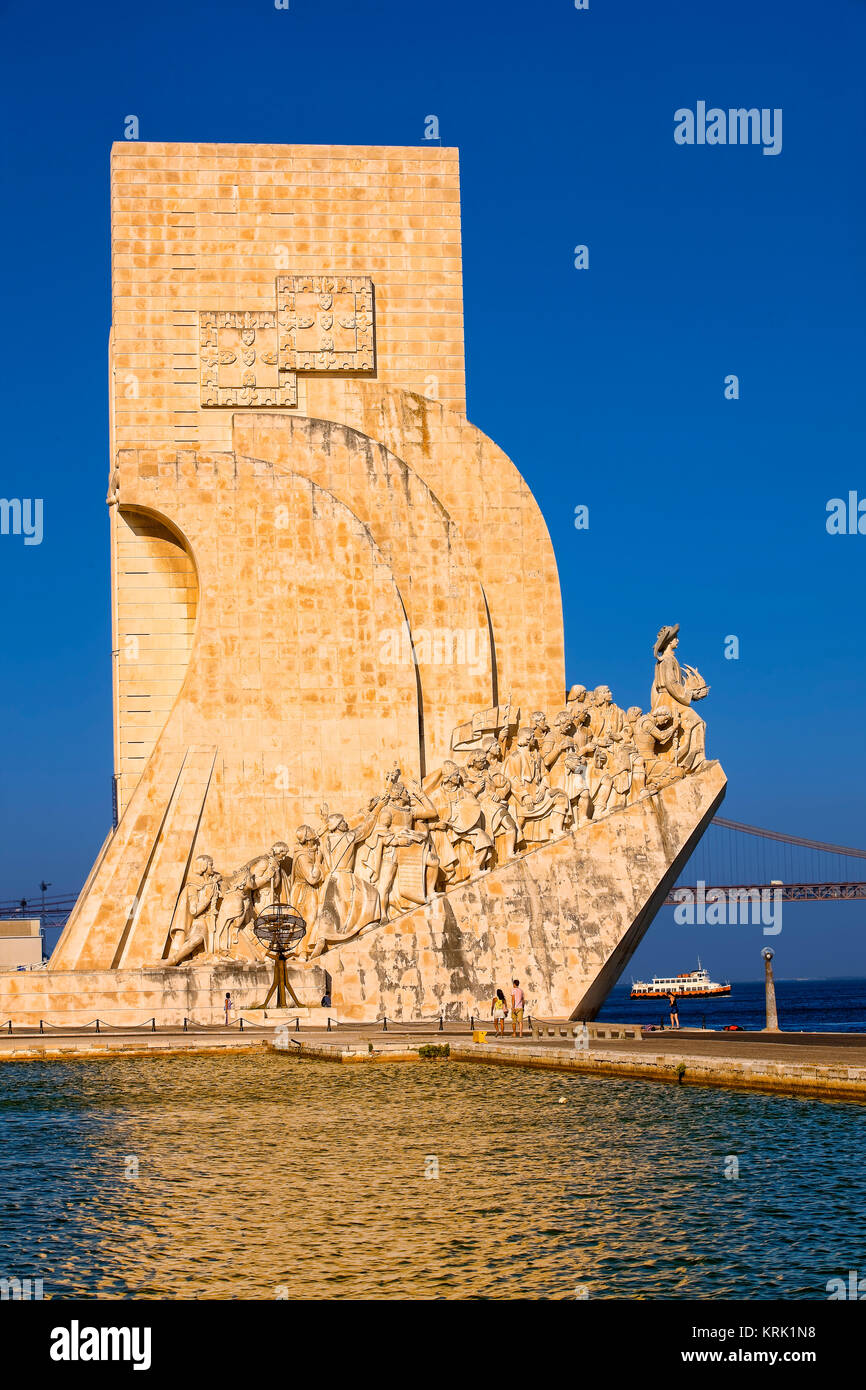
(694, 984)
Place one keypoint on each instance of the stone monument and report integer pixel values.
(338, 629)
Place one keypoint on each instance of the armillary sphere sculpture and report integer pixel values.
(280, 928)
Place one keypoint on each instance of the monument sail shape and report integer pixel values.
(338, 643)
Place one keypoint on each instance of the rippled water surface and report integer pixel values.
(825, 1006)
(261, 1176)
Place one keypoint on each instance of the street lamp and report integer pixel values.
(772, 1024)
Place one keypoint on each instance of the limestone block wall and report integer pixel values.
(487, 498)
(285, 677)
(446, 607)
(209, 227)
(215, 230)
(131, 997)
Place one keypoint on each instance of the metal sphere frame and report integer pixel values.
(279, 927)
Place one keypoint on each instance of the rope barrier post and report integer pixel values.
(384, 1025)
(184, 1023)
(329, 1025)
(41, 1029)
(97, 1025)
(153, 1024)
(441, 1024)
(298, 1024)
(242, 1025)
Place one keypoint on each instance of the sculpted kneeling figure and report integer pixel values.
(536, 805)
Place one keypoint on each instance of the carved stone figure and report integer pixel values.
(500, 823)
(538, 810)
(679, 687)
(605, 718)
(656, 736)
(408, 863)
(368, 857)
(583, 738)
(518, 788)
(259, 883)
(270, 879)
(306, 879)
(474, 772)
(600, 779)
(539, 726)
(495, 800)
(461, 817)
(236, 895)
(620, 753)
(558, 742)
(348, 901)
(201, 899)
(576, 786)
(638, 778)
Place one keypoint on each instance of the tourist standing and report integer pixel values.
(518, 1000)
(498, 1010)
(675, 1011)
(228, 1006)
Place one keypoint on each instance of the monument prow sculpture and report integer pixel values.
(338, 631)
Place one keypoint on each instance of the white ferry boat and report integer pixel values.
(694, 984)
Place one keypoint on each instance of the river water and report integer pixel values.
(825, 1006)
(260, 1176)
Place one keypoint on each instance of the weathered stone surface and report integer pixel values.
(131, 997)
(486, 496)
(564, 919)
(338, 638)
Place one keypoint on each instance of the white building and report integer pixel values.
(20, 943)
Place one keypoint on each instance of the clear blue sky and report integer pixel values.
(605, 385)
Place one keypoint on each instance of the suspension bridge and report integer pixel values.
(730, 857)
(733, 856)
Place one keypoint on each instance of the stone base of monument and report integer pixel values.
(129, 998)
(564, 919)
(273, 1018)
(133, 998)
